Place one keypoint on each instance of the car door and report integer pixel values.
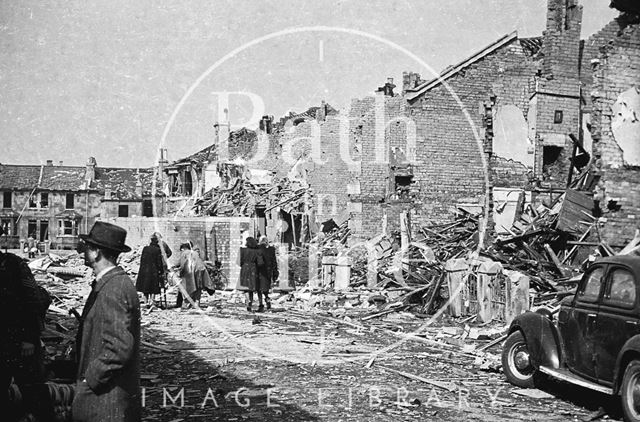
(617, 320)
(576, 322)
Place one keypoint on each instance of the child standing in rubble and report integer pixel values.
(250, 258)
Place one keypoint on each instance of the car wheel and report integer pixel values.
(630, 391)
(516, 363)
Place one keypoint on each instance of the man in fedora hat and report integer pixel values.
(108, 339)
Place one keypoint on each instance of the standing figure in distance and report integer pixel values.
(186, 266)
(152, 271)
(108, 381)
(203, 280)
(250, 259)
(267, 273)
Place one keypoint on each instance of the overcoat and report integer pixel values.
(202, 278)
(187, 271)
(269, 271)
(152, 270)
(250, 260)
(108, 381)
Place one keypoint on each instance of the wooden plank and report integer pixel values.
(575, 205)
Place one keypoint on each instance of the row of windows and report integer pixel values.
(41, 200)
(39, 229)
(38, 200)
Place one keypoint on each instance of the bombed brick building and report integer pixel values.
(522, 118)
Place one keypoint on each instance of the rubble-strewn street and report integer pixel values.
(322, 364)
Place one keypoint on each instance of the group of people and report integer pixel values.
(190, 270)
(108, 337)
(258, 269)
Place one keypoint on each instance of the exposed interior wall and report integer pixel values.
(614, 98)
(510, 135)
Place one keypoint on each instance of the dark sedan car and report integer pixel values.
(595, 341)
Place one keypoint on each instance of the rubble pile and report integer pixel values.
(238, 200)
(529, 249)
(242, 197)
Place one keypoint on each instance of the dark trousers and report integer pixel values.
(260, 294)
(195, 297)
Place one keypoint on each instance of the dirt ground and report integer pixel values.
(305, 364)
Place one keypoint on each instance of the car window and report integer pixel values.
(622, 290)
(591, 288)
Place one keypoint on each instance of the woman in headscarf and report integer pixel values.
(267, 273)
(250, 259)
(152, 270)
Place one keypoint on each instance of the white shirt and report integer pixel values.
(103, 272)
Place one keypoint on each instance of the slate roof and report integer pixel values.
(121, 181)
(18, 177)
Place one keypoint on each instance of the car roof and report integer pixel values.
(632, 261)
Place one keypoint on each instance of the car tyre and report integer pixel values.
(630, 392)
(516, 363)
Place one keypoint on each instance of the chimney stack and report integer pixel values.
(387, 89)
(139, 187)
(90, 171)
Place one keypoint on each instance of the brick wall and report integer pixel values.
(509, 173)
(449, 167)
(618, 70)
(558, 90)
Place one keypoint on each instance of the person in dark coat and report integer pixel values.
(153, 269)
(21, 319)
(108, 379)
(165, 247)
(250, 259)
(267, 273)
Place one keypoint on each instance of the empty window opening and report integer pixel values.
(550, 155)
(147, 208)
(123, 210)
(7, 200)
(70, 201)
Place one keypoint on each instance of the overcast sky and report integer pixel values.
(82, 78)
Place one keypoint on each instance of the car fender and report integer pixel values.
(542, 338)
(629, 351)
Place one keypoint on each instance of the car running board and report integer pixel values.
(568, 376)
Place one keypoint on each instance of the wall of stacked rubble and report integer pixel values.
(617, 74)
